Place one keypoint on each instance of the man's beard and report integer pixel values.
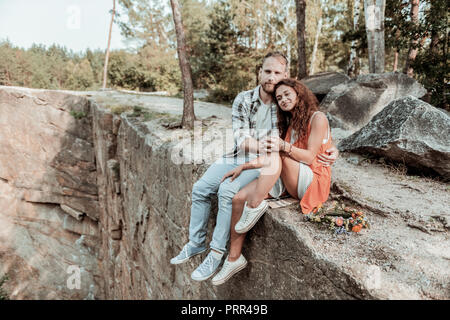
(268, 87)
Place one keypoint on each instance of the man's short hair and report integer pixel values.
(279, 56)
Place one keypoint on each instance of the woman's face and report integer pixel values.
(286, 97)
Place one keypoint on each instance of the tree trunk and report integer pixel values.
(301, 13)
(395, 60)
(396, 52)
(412, 52)
(288, 55)
(374, 18)
(316, 44)
(105, 68)
(434, 42)
(352, 69)
(8, 78)
(186, 73)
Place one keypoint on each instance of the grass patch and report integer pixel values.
(396, 168)
(118, 109)
(78, 114)
(144, 114)
(3, 293)
(137, 111)
(148, 115)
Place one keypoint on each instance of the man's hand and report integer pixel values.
(329, 157)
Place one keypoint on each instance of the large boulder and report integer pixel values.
(321, 83)
(409, 131)
(352, 104)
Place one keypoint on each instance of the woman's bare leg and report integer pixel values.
(266, 180)
(289, 175)
(253, 193)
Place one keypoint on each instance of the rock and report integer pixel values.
(338, 134)
(114, 169)
(85, 227)
(352, 104)
(321, 83)
(201, 94)
(116, 232)
(37, 253)
(408, 131)
(72, 212)
(47, 147)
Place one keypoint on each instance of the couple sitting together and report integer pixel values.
(282, 144)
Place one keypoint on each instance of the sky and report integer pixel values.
(75, 24)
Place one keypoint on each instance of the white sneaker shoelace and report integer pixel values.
(225, 269)
(183, 254)
(207, 265)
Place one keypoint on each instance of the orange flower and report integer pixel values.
(339, 221)
(359, 213)
(353, 216)
(357, 228)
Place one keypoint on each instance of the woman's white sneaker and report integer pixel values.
(228, 270)
(250, 217)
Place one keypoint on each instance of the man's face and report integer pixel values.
(272, 71)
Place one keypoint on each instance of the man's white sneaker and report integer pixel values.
(228, 270)
(186, 253)
(250, 217)
(208, 267)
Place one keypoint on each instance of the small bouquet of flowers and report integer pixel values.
(340, 218)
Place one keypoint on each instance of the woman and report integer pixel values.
(304, 134)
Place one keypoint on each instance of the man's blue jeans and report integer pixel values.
(208, 185)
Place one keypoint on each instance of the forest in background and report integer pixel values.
(226, 41)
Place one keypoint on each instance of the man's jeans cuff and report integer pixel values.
(194, 244)
(220, 250)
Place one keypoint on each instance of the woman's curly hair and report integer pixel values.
(307, 104)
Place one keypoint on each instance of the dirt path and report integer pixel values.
(156, 103)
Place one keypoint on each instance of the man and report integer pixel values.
(254, 116)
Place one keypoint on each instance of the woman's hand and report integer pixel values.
(233, 173)
(327, 159)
